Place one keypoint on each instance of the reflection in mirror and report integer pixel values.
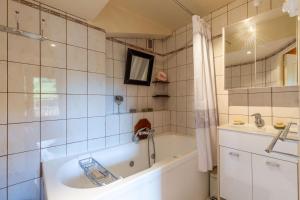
(261, 52)
(139, 68)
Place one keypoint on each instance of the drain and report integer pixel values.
(131, 163)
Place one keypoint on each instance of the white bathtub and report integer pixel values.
(174, 176)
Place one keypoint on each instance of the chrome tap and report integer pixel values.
(141, 131)
(259, 122)
(286, 131)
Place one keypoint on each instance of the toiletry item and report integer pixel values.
(238, 122)
(279, 125)
(132, 110)
(161, 76)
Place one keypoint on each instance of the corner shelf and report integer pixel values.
(161, 82)
(161, 96)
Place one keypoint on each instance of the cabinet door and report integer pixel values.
(235, 174)
(274, 179)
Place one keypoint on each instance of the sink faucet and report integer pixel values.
(286, 131)
(259, 122)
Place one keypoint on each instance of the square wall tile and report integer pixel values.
(96, 127)
(23, 167)
(23, 78)
(126, 138)
(119, 69)
(53, 54)
(28, 17)
(18, 50)
(3, 12)
(3, 108)
(53, 106)
(158, 118)
(3, 194)
(53, 80)
(96, 40)
(108, 49)
(96, 144)
(23, 107)
(76, 106)
(109, 104)
(3, 172)
(76, 148)
(3, 140)
(96, 83)
(23, 137)
(109, 68)
(112, 125)
(96, 105)
(52, 153)
(76, 58)
(76, 82)
(53, 133)
(126, 123)
(3, 46)
(119, 51)
(27, 190)
(76, 130)
(3, 76)
(96, 62)
(112, 141)
(55, 28)
(76, 34)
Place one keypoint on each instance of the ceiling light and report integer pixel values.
(53, 45)
(251, 29)
(249, 52)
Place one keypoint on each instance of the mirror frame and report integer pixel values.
(130, 53)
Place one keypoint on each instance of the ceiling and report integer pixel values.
(81, 8)
(156, 18)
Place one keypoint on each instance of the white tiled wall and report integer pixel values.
(56, 96)
(235, 104)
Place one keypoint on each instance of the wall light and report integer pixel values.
(249, 52)
(53, 45)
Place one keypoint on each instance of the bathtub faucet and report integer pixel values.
(142, 131)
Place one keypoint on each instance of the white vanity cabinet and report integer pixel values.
(247, 172)
(274, 179)
(236, 179)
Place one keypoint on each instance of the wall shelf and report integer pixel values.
(161, 82)
(161, 96)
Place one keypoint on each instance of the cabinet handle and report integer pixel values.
(272, 164)
(234, 154)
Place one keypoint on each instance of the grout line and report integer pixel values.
(7, 102)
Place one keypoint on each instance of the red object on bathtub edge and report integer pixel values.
(142, 123)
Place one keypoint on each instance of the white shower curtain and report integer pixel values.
(204, 95)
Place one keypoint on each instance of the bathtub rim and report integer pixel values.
(54, 185)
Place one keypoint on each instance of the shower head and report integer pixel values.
(19, 32)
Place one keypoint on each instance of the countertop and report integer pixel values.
(266, 130)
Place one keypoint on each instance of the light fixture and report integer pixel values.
(291, 7)
(251, 29)
(53, 45)
(249, 52)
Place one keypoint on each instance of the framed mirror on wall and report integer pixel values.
(261, 52)
(139, 66)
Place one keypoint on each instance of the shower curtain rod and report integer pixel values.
(183, 7)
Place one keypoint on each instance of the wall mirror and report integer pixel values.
(261, 51)
(139, 67)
